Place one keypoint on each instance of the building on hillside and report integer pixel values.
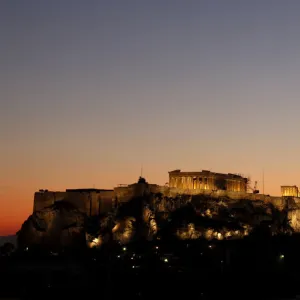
(126, 192)
(289, 191)
(89, 201)
(206, 180)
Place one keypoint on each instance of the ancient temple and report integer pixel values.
(206, 180)
(289, 191)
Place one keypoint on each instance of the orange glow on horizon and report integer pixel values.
(17, 202)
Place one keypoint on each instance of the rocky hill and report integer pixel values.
(154, 215)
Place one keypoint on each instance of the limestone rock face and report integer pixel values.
(154, 214)
(125, 230)
(294, 217)
(54, 227)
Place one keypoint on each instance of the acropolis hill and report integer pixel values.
(201, 204)
(97, 201)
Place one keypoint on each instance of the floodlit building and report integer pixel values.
(289, 191)
(206, 180)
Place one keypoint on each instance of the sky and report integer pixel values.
(90, 91)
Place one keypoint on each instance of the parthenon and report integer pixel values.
(206, 180)
(289, 191)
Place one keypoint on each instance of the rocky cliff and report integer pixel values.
(55, 227)
(155, 215)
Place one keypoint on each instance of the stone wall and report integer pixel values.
(125, 193)
(46, 199)
(106, 201)
(88, 202)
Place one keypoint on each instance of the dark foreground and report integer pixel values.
(260, 268)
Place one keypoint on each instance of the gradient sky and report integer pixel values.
(92, 90)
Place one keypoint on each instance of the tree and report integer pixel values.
(7, 249)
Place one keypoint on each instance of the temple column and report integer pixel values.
(190, 183)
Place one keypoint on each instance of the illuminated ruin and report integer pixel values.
(206, 180)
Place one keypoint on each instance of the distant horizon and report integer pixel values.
(11, 231)
(16, 226)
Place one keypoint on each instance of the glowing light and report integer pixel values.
(95, 240)
(118, 256)
(156, 247)
(281, 256)
(133, 267)
(166, 260)
(116, 228)
(131, 257)
(210, 246)
(124, 249)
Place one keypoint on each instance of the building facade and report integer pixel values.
(289, 191)
(206, 180)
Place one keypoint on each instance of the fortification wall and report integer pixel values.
(101, 201)
(46, 199)
(125, 193)
(172, 192)
(105, 203)
(90, 203)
